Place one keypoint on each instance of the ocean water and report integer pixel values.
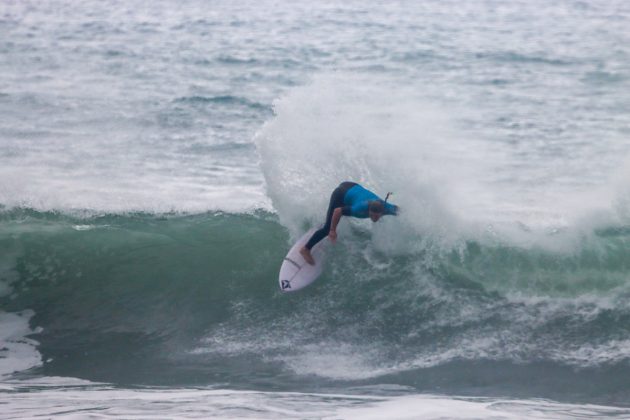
(158, 159)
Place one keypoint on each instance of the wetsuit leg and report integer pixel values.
(336, 200)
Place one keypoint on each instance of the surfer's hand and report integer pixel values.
(333, 236)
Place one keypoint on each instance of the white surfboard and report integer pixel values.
(295, 273)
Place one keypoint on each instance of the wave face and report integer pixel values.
(192, 299)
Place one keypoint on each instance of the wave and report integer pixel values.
(115, 296)
(467, 274)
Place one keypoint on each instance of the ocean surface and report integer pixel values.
(158, 159)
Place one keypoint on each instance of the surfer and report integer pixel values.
(348, 199)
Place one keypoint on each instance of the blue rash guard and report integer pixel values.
(354, 201)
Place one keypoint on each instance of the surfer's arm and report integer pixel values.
(337, 213)
(336, 217)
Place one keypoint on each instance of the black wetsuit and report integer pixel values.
(336, 200)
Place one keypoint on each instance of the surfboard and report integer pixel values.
(295, 273)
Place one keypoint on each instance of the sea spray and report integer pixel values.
(352, 127)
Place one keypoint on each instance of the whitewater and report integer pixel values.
(158, 160)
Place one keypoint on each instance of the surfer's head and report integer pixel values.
(376, 209)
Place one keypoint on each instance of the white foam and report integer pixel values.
(351, 127)
(450, 187)
(72, 400)
(439, 407)
(335, 360)
(115, 194)
(585, 355)
(18, 352)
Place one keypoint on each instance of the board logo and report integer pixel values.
(285, 284)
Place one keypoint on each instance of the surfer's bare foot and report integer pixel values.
(306, 254)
